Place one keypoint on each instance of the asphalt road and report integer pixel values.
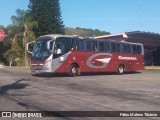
(140, 91)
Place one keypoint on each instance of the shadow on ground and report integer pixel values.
(15, 85)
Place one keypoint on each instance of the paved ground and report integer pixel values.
(19, 91)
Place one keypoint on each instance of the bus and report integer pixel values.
(75, 55)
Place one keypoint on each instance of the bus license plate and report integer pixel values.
(37, 67)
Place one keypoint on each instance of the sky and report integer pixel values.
(113, 16)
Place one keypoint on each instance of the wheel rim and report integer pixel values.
(121, 70)
(74, 71)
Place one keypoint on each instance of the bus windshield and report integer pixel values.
(40, 50)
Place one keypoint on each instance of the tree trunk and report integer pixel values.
(14, 40)
(24, 45)
(10, 63)
(26, 57)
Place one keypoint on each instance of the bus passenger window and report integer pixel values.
(95, 46)
(128, 48)
(118, 47)
(113, 47)
(81, 44)
(75, 45)
(101, 46)
(134, 49)
(106, 47)
(90, 46)
(139, 49)
(124, 48)
(78, 44)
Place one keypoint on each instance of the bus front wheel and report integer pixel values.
(73, 70)
(121, 69)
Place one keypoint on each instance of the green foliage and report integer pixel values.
(22, 28)
(4, 46)
(84, 32)
(72, 31)
(11, 56)
(20, 62)
(1, 63)
(1, 26)
(92, 32)
(47, 14)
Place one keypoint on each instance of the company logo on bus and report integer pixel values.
(91, 61)
(127, 58)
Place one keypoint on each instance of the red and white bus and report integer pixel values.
(75, 55)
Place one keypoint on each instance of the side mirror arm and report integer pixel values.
(27, 47)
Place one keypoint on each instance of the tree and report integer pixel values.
(22, 26)
(1, 26)
(84, 32)
(47, 14)
(72, 31)
(92, 32)
(12, 54)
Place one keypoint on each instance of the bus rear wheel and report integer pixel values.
(121, 69)
(74, 70)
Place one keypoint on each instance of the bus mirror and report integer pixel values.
(30, 46)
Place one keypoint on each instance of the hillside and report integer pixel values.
(84, 32)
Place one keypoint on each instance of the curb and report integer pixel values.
(18, 67)
(1, 66)
(152, 67)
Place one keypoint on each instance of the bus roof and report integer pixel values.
(54, 36)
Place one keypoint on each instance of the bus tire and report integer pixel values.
(121, 69)
(73, 70)
(78, 71)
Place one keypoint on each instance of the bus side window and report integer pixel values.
(139, 49)
(59, 48)
(113, 47)
(124, 48)
(107, 47)
(75, 44)
(134, 49)
(118, 47)
(101, 46)
(81, 45)
(95, 45)
(78, 44)
(128, 48)
(90, 46)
